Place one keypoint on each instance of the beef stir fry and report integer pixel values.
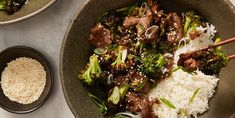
(134, 49)
(11, 6)
(208, 61)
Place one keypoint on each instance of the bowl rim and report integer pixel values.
(50, 74)
(28, 15)
(73, 19)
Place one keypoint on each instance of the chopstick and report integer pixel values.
(231, 57)
(220, 43)
(230, 40)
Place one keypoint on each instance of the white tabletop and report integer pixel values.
(45, 33)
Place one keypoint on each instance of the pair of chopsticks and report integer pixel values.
(227, 41)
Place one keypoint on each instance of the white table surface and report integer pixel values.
(44, 32)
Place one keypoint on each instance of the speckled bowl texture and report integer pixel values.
(76, 50)
(30, 9)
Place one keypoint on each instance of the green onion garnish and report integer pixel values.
(167, 103)
(102, 107)
(194, 94)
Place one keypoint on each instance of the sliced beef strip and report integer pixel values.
(121, 80)
(175, 28)
(152, 35)
(190, 60)
(100, 36)
(191, 64)
(154, 6)
(127, 36)
(146, 89)
(131, 21)
(145, 108)
(138, 103)
(194, 34)
(133, 102)
(144, 23)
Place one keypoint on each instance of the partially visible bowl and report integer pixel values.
(76, 50)
(12, 53)
(30, 9)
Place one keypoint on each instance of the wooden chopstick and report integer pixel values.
(230, 40)
(231, 57)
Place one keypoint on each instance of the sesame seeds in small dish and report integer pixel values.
(26, 79)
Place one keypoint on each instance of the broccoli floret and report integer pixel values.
(119, 63)
(188, 19)
(11, 6)
(93, 71)
(213, 66)
(152, 64)
(191, 22)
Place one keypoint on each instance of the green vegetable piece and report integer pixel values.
(143, 9)
(100, 51)
(212, 66)
(185, 70)
(141, 26)
(93, 70)
(139, 47)
(182, 112)
(113, 47)
(2, 6)
(217, 40)
(193, 96)
(123, 89)
(114, 96)
(167, 103)
(191, 22)
(152, 64)
(101, 104)
(118, 63)
(141, 84)
(188, 20)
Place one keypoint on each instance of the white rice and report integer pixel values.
(180, 86)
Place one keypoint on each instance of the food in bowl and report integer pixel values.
(150, 63)
(11, 6)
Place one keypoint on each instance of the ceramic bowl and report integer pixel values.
(12, 53)
(76, 50)
(30, 9)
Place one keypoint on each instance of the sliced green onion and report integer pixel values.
(114, 96)
(141, 26)
(167, 103)
(141, 84)
(194, 94)
(143, 9)
(100, 51)
(124, 55)
(102, 107)
(123, 89)
(185, 70)
(103, 16)
(127, 115)
(113, 47)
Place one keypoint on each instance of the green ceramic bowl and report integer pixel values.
(30, 9)
(76, 50)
